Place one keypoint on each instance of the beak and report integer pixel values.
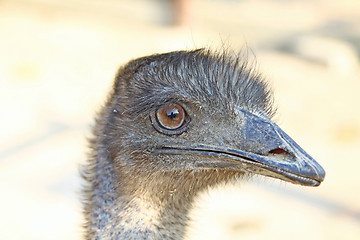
(275, 154)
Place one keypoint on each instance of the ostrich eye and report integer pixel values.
(170, 119)
(170, 116)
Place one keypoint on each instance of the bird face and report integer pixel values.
(239, 141)
(195, 111)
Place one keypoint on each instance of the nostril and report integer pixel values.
(278, 151)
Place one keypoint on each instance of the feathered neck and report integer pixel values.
(142, 205)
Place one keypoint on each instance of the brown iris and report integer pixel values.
(170, 119)
(171, 116)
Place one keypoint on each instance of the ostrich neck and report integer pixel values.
(140, 207)
(136, 202)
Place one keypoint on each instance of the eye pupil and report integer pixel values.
(172, 113)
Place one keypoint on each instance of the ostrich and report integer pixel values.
(176, 124)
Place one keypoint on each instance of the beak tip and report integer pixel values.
(316, 172)
(322, 175)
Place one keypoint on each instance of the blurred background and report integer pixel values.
(57, 62)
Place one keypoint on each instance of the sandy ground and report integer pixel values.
(58, 59)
